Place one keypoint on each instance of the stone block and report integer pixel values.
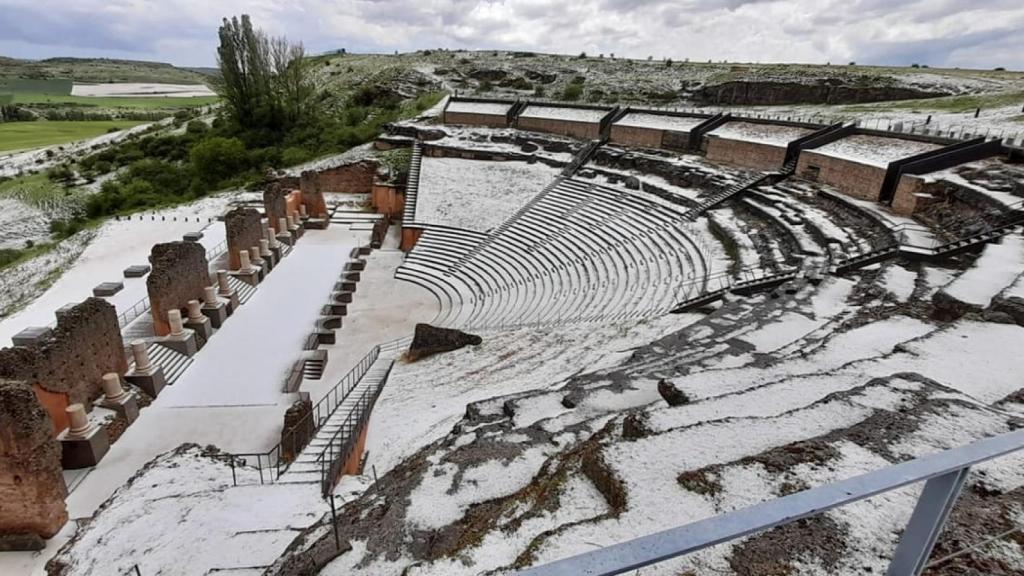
(250, 277)
(127, 406)
(184, 343)
(86, 452)
(151, 382)
(31, 335)
(202, 327)
(216, 313)
(107, 289)
(136, 271)
(192, 237)
(286, 238)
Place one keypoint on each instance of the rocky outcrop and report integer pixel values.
(430, 340)
(672, 395)
(831, 91)
(1011, 307)
(32, 486)
(948, 308)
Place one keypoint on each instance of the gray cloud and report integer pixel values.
(935, 32)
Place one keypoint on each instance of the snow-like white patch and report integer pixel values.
(439, 501)
(117, 245)
(659, 121)
(567, 114)
(475, 194)
(423, 400)
(137, 89)
(182, 516)
(773, 134)
(996, 269)
(899, 282)
(464, 107)
(248, 360)
(874, 150)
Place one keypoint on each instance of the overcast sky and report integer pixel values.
(964, 33)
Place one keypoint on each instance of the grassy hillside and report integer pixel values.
(100, 70)
(26, 135)
(603, 79)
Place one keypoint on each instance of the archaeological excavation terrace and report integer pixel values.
(528, 337)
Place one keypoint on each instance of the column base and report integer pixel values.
(77, 453)
(151, 382)
(184, 344)
(128, 407)
(251, 277)
(216, 313)
(203, 329)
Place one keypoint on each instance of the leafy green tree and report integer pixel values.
(218, 159)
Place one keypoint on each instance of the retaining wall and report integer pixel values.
(471, 119)
(861, 181)
(753, 155)
(573, 129)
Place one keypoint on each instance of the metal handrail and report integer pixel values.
(943, 473)
(137, 309)
(272, 460)
(342, 443)
(216, 251)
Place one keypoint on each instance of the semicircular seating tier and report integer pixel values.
(577, 252)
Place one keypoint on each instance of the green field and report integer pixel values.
(111, 102)
(26, 135)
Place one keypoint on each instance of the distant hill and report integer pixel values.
(101, 70)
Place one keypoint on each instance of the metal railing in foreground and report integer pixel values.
(943, 473)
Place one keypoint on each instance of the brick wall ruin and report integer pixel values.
(244, 230)
(312, 196)
(180, 273)
(32, 489)
(581, 130)
(68, 366)
(354, 178)
(388, 199)
(858, 180)
(753, 155)
(914, 195)
(469, 119)
(638, 136)
(275, 203)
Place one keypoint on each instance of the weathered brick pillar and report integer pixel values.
(180, 273)
(312, 195)
(275, 204)
(32, 489)
(244, 228)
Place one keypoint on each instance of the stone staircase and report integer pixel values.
(243, 289)
(740, 287)
(172, 362)
(723, 195)
(344, 423)
(413, 184)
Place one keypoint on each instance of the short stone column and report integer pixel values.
(257, 262)
(269, 261)
(293, 226)
(225, 291)
(199, 323)
(213, 308)
(284, 236)
(303, 213)
(247, 272)
(84, 443)
(181, 339)
(148, 377)
(272, 243)
(116, 398)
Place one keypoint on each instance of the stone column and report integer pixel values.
(149, 378)
(199, 323)
(213, 308)
(174, 319)
(302, 211)
(80, 425)
(283, 234)
(225, 291)
(244, 264)
(117, 399)
(257, 262)
(266, 255)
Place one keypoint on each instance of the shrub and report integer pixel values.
(294, 155)
(197, 127)
(572, 92)
(218, 159)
